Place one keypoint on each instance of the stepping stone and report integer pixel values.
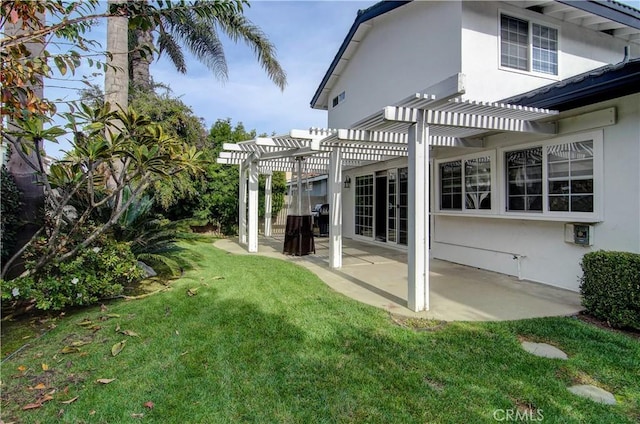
(544, 350)
(594, 393)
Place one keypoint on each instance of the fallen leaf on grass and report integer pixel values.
(103, 308)
(45, 367)
(218, 278)
(79, 343)
(117, 327)
(69, 349)
(117, 348)
(192, 292)
(105, 380)
(67, 402)
(31, 406)
(85, 323)
(39, 386)
(92, 412)
(137, 415)
(149, 405)
(22, 368)
(130, 333)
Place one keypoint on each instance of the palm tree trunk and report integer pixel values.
(140, 59)
(116, 80)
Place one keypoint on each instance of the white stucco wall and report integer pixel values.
(492, 242)
(579, 51)
(406, 50)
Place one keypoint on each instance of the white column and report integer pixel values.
(253, 207)
(267, 205)
(242, 206)
(335, 209)
(418, 263)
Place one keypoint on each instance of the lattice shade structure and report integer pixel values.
(437, 116)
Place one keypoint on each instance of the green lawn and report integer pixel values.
(252, 339)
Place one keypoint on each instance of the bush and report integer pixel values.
(610, 287)
(95, 273)
(9, 213)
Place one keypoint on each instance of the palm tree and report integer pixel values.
(195, 27)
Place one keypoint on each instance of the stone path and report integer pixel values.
(588, 391)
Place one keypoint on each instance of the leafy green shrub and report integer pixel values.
(95, 273)
(9, 212)
(610, 287)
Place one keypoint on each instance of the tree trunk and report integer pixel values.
(24, 174)
(140, 59)
(116, 80)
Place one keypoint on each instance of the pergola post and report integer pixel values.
(253, 207)
(335, 209)
(242, 205)
(418, 246)
(267, 205)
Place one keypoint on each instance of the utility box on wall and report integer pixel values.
(581, 234)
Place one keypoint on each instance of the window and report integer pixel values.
(451, 185)
(567, 182)
(528, 46)
(364, 206)
(476, 190)
(524, 180)
(338, 99)
(570, 170)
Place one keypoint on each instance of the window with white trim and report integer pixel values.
(560, 176)
(528, 46)
(465, 184)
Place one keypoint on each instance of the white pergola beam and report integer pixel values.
(467, 120)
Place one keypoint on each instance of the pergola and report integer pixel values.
(436, 116)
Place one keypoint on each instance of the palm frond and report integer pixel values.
(238, 27)
(166, 43)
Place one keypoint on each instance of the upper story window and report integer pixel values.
(528, 46)
(338, 99)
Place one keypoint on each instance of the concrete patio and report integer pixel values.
(377, 275)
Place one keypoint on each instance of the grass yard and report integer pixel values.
(252, 339)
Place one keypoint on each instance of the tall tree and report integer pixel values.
(195, 29)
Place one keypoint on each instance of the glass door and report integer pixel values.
(403, 205)
(392, 216)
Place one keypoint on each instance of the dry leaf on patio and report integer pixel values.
(67, 402)
(105, 380)
(117, 348)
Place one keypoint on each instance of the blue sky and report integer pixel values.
(307, 35)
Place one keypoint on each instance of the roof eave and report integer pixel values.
(363, 16)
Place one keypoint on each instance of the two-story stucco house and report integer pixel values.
(503, 135)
